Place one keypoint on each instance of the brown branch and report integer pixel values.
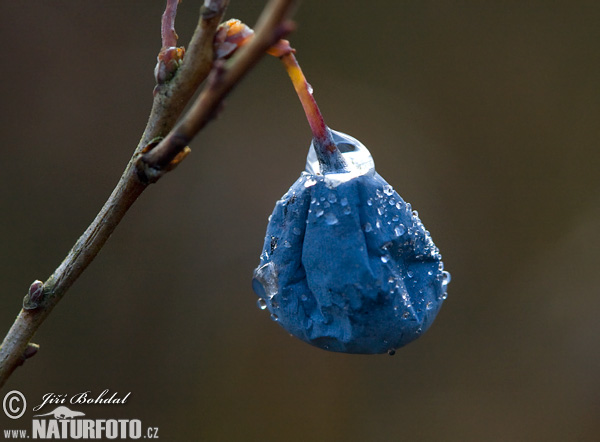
(170, 97)
(270, 28)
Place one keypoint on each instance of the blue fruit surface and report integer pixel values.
(347, 265)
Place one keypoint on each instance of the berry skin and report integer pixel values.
(347, 265)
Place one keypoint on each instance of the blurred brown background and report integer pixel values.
(484, 115)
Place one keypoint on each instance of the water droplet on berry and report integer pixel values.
(344, 202)
(391, 351)
(399, 230)
(385, 258)
(331, 219)
(287, 244)
(347, 210)
(310, 182)
(274, 317)
(388, 190)
(368, 227)
(319, 213)
(297, 231)
(262, 304)
(369, 202)
(332, 198)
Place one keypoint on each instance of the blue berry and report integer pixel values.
(347, 265)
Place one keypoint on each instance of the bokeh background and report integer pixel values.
(484, 115)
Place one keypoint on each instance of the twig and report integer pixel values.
(270, 28)
(170, 98)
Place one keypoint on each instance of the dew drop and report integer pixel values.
(287, 244)
(369, 202)
(396, 218)
(406, 315)
(331, 219)
(304, 298)
(398, 205)
(380, 211)
(429, 305)
(270, 217)
(399, 230)
(319, 213)
(446, 277)
(378, 224)
(388, 190)
(385, 258)
(347, 210)
(410, 273)
(310, 182)
(391, 351)
(322, 198)
(297, 231)
(368, 227)
(274, 317)
(391, 202)
(344, 202)
(332, 198)
(262, 304)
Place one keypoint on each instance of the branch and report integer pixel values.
(271, 27)
(148, 162)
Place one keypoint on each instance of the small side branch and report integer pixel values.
(271, 27)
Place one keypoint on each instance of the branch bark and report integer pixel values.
(151, 158)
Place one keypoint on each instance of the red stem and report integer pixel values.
(311, 109)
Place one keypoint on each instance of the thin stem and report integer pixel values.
(233, 35)
(311, 109)
(329, 157)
